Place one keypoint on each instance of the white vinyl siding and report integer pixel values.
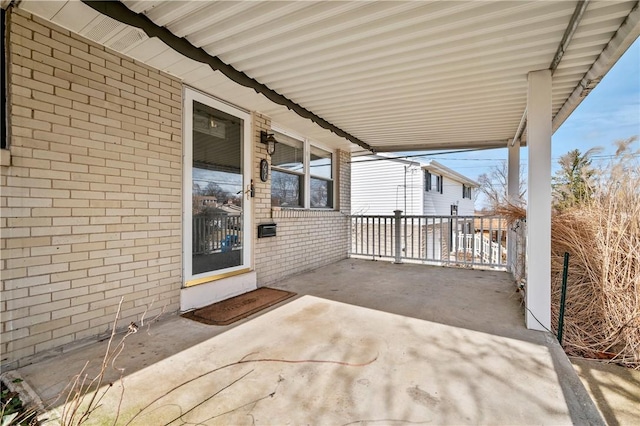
(440, 204)
(378, 187)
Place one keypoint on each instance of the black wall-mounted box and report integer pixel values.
(267, 230)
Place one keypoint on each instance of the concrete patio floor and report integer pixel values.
(363, 343)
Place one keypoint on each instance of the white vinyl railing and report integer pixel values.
(443, 240)
(482, 247)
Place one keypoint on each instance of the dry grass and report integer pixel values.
(84, 393)
(602, 237)
(512, 212)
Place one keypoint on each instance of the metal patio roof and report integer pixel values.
(394, 75)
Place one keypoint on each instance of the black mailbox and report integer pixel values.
(267, 230)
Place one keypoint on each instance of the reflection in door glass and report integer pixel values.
(217, 195)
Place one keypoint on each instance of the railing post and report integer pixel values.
(397, 244)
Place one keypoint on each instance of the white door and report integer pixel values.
(217, 198)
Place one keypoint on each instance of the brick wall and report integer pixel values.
(91, 200)
(91, 196)
(306, 239)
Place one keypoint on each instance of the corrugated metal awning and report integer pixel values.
(396, 75)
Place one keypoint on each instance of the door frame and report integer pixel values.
(189, 96)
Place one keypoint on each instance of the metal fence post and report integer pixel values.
(397, 245)
(563, 298)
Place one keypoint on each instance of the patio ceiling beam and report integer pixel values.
(574, 22)
(578, 13)
(119, 12)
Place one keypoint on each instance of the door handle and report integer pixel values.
(251, 191)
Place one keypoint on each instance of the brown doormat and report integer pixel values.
(238, 307)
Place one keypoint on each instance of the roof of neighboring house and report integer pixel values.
(435, 167)
(430, 165)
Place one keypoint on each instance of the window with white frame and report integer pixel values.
(301, 174)
(466, 191)
(321, 178)
(287, 172)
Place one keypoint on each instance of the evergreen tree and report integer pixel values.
(573, 182)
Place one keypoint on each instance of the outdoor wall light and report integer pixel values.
(269, 141)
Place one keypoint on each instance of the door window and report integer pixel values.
(217, 207)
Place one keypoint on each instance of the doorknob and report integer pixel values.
(251, 191)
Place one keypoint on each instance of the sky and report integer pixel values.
(611, 112)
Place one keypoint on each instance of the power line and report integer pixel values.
(473, 159)
(416, 155)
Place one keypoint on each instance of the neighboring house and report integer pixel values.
(382, 183)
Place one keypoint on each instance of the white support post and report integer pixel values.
(538, 291)
(513, 196)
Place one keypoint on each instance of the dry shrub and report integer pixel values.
(511, 212)
(602, 237)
